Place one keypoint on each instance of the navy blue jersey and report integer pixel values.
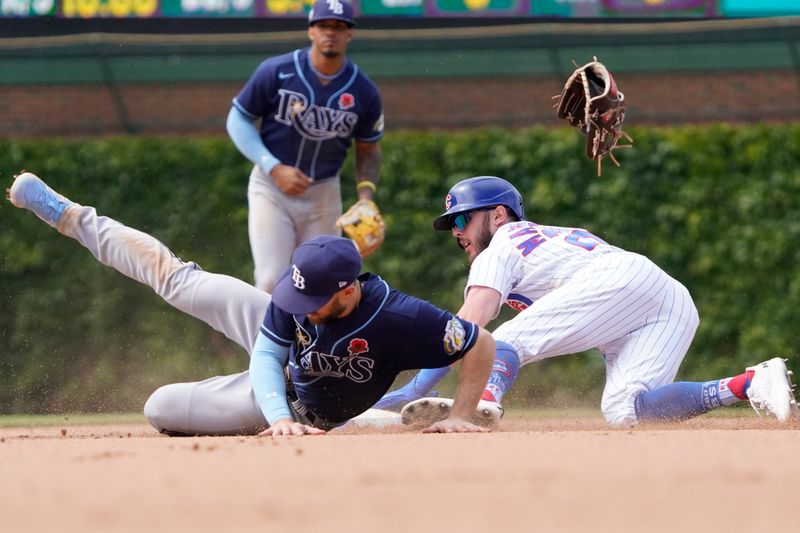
(342, 368)
(306, 124)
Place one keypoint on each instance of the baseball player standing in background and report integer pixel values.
(324, 346)
(311, 103)
(575, 292)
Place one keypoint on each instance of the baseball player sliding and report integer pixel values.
(575, 292)
(311, 104)
(324, 346)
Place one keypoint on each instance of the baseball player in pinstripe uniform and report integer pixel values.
(575, 292)
(311, 103)
(324, 346)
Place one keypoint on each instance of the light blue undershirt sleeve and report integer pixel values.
(243, 133)
(267, 378)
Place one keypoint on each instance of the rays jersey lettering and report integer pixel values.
(353, 367)
(306, 123)
(313, 122)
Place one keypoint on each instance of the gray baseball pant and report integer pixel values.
(222, 405)
(278, 223)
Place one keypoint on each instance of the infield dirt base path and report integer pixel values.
(530, 475)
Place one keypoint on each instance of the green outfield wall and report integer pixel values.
(715, 206)
(446, 77)
(540, 48)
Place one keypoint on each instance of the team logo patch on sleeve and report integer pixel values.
(454, 335)
(378, 127)
(518, 302)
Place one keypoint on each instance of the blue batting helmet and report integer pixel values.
(477, 193)
(331, 10)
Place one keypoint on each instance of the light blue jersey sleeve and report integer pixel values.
(267, 378)
(245, 137)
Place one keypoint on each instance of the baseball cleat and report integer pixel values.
(430, 410)
(771, 390)
(31, 193)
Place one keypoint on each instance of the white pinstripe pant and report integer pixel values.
(640, 319)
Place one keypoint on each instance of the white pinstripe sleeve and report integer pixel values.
(496, 267)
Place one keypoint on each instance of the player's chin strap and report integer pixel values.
(302, 413)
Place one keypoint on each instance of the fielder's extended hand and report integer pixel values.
(290, 427)
(455, 425)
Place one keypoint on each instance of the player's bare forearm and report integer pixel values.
(475, 369)
(368, 167)
(481, 305)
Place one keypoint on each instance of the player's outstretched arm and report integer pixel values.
(267, 379)
(476, 366)
(481, 305)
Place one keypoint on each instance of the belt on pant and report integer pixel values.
(302, 413)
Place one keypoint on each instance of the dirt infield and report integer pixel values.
(530, 475)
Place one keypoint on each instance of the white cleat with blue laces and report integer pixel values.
(31, 193)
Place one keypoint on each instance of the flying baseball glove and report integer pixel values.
(363, 224)
(591, 102)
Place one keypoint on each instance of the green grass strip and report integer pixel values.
(70, 419)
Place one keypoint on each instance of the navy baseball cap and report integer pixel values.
(320, 268)
(331, 10)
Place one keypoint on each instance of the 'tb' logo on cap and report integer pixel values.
(336, 7)
(298, 280)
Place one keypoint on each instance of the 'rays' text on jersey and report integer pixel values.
(355, 368)
(313, 122)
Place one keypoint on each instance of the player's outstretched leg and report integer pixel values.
(31, 193)
(228, 305)
(767, 385)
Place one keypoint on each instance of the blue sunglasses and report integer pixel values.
(461, 220)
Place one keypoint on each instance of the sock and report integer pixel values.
(504, 372)
(677, 401)
(738, 385)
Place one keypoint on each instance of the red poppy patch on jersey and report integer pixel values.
(357, 346)
(346, 101)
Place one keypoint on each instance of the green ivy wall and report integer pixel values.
(715, 206)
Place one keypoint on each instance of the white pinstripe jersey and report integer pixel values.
(525, 260)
